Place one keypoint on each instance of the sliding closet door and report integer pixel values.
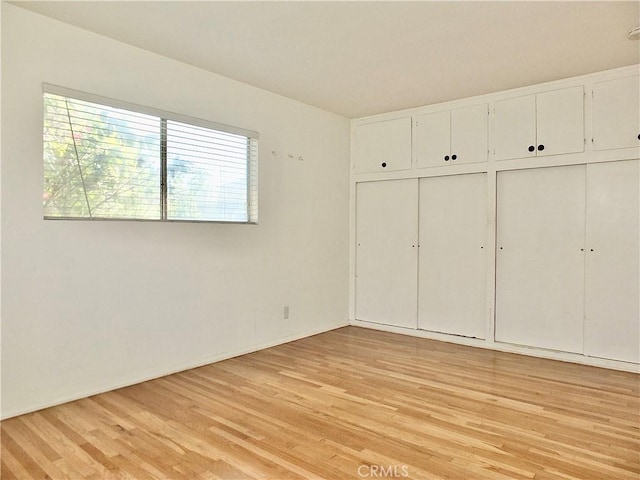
(387, 252)
(452, 266)
(612, 286)
(540, 257)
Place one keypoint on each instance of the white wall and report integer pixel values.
(90, 306)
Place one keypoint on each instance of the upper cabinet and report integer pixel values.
(382, 146)
(539, 121)
(450, 137)
(616, 114)
(548, 123)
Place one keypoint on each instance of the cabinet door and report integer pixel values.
(383, 146)
(469, 134)
(452, 264)
(616, 114)
(540, 265)
(432, 139)
(560, 120)
(612, 288)
(515, 128)
(386, 252)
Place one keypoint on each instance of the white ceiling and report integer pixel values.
(362, 58)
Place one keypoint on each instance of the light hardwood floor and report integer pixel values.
(351, 403)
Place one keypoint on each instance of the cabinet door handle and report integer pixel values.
(639, 136)
(540, 147)
(384, 164)
(531, 148)
(446, 158)
(453, 157)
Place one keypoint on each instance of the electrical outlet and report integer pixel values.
(286, 312)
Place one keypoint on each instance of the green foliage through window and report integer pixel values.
(103, 162)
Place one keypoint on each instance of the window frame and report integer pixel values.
(164, 116)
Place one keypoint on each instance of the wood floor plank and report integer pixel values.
(11, 468)
(350, 403)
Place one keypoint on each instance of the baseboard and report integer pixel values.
(504, 347)
(178, 368)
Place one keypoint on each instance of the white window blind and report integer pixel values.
(105, 159)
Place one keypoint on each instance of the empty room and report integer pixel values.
(320, 240)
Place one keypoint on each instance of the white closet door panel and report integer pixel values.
(560, 120)
(383, 146)
(515, 127)
(452, 272)
(386, 252)
(540, 265)
(616, 113)
(469, 134)
(612, 286)
(432, 139)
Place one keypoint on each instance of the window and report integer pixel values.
(105, 159)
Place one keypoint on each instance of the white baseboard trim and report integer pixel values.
(145, 377)
(504, 347)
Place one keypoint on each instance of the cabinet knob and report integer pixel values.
(531, 148)
(453, 157)
(446, 158)
(639, 136)
(540, 147)
(384, 164)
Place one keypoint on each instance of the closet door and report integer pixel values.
(612, 288)
(540, 257)
(452, 265)
(386, 252)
